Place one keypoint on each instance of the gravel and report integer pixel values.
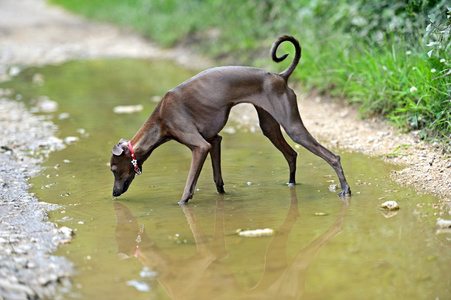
(27, 271)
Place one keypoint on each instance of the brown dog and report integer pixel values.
(194, 112)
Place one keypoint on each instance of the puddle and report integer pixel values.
(144, 246)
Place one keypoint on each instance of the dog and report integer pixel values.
(194, 112)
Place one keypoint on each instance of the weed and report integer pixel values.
(395, 152)
(389, 58)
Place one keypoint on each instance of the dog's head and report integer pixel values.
(121, 167)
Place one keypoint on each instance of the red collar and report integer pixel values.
(134, 160)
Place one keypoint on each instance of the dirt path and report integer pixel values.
(32, 33)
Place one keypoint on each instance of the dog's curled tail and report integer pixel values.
(297, 56)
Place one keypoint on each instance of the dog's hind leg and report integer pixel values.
(300, 135)
(271, 129)
(215, 154)
(285, 110)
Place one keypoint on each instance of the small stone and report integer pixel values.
(45, 105)
(14, 71)
(389, 205)
(320, 214)
(257, 232)
(66, 231)
(63, 116)
(444, 223)
(71, 139)
(333, 187)
(127, 109)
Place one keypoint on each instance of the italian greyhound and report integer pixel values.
(194, 112)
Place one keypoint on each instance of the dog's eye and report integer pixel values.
(114, 169)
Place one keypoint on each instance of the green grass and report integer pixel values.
(371, 53)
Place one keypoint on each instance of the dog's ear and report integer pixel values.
(117, 150)
(120, 148)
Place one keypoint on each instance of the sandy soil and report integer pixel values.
(32, 33)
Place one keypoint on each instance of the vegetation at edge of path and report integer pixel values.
(388, 57)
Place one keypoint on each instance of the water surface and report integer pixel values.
(143, 245)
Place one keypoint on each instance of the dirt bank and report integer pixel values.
(33, 34)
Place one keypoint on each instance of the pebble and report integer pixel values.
(63, 116)
(320, 214)
(127, 109)
(333, 187)
(444, 223)
(389, 205)
(257, 232)
(44, 105)
(67, 232)
(71, 139)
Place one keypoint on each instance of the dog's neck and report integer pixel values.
(148, 137)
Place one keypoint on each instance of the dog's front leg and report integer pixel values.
(200, 153)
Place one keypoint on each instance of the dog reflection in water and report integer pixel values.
(203, 276)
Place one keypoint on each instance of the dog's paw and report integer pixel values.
(345, 192)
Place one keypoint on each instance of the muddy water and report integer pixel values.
(144, 246)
